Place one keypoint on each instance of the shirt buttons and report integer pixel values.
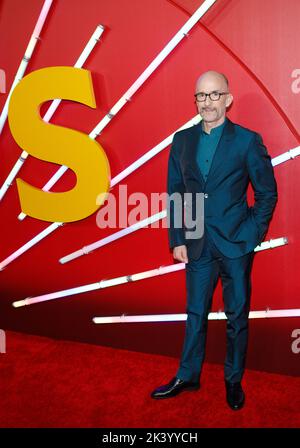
(205, 195)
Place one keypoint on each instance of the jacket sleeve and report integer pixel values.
(175, 197)
(261, 174)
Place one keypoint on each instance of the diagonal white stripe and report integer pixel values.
(182, 317)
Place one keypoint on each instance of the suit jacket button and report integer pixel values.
(206, 195)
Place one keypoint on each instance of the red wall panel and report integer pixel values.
(252, 42)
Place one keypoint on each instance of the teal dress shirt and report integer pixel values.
(207, 147)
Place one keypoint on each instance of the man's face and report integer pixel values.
(213, 111)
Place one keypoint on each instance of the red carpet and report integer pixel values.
(49, 383)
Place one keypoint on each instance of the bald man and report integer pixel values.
(218, 158)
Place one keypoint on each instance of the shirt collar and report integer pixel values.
(216, 130)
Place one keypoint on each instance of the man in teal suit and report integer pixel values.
(218, 158)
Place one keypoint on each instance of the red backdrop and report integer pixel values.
(255, 44)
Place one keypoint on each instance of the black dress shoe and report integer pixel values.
(235, 395)
(174, 387)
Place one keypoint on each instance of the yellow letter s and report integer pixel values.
(58, 144)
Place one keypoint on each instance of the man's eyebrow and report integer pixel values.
(212, 91)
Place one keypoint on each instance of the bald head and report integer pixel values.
(212, 77)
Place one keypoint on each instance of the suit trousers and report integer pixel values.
(201, 279)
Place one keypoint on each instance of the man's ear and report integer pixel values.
(229, 99)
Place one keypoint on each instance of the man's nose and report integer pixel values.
(207, 101)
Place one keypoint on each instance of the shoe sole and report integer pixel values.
(186, 389)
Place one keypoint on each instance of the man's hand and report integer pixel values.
(180, 253)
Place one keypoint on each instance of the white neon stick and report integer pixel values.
(85, 250)
(152, 153)
(50, 112)
(100, 243)
(78, 64)
(137, 84)
(271, 244)
(182, 317)
(28, 53)
(102, 284)
(30, 244)
(290, 154)
(153, 66)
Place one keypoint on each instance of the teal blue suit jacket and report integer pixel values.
(241, 157)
